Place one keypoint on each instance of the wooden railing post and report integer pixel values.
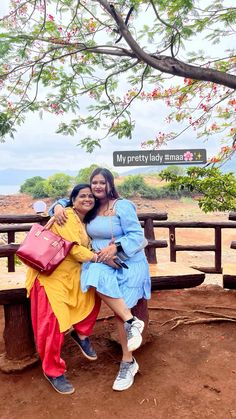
(11, 258)
(149, 234)
(218, 249)
(172, 244)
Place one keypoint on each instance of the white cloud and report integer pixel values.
(37, 146)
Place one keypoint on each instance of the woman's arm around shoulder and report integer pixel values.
(64, 202)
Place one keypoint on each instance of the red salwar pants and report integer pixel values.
(48, 338)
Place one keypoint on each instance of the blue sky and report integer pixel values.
(37, 146)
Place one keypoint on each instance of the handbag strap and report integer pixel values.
(57, 240)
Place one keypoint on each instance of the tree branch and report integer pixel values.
(167, 64)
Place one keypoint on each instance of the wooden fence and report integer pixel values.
(151, 222)
(175, 228)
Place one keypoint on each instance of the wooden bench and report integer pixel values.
(174, 275)
(20, 349)
(18, 336)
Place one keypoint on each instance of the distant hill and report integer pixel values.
(17, 177)
(229, 166)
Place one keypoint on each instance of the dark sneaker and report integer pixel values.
(85, 346)
(60, 384)
(125, 376)
(134, 334)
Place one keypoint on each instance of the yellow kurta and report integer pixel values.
(62, 287)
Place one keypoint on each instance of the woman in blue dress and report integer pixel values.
(115, 229)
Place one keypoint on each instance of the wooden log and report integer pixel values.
(150, 235)
(18, 336)
(8, 249)
(202, 248)
(18, 345)
(194, 224)
(15, 227)
(218, 249)
(152, 216)
(11, 258)
(27, 218)
(173, 275)
(172, 240)
(157, 244)
(229, 275)
(232, 215)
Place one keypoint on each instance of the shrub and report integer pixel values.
(29, 184)
(39, 190)
(135, 185)
(58, 185)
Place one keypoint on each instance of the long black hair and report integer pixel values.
(74, 193)
(113, 193)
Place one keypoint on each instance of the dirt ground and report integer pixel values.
(185, 372)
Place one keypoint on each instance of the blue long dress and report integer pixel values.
(130, 284)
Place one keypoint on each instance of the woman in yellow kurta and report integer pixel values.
(57, 302)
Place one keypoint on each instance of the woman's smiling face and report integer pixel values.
(100, 187)
(84, 201)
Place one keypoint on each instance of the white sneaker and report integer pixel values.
(133, 331)
(125, 376)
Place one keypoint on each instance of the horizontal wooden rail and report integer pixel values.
(8, 249)
(195, 224)
(15, 227)
(36, 218)
(197, 248)
(149, 222)
(152, 216)
(157, 244)
(27, 218)
(17, 223)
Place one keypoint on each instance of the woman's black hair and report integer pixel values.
(74, 193)
(113, 193)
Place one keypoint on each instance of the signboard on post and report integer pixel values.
(159, 157)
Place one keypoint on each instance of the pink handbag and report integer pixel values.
(43, 250)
